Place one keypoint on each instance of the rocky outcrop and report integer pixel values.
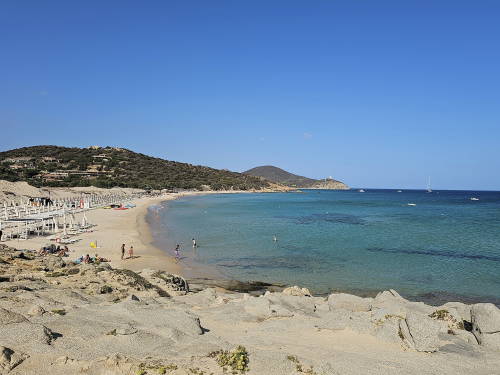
(62, 318)
(278, 175)
(328, 184)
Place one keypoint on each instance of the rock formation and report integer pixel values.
(61, 318)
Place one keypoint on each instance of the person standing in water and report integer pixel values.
(194, 243)
(275, 239)
(123, 251)
(177, 254)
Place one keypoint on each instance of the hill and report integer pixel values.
(278, 175)
(114, 167)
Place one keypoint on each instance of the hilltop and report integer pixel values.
(55, 166)
(280, 176)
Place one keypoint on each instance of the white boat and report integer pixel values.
(412, 204)
(400, 191)
(429, 190)
(474, 199)
(361, 190)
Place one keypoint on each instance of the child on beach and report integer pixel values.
(131, 252)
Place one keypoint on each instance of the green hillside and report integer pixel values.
(111, 166)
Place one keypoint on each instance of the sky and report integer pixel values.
(377, 94)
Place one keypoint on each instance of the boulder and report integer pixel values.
(485, 319)
(296, 291)
(349, 302)
(422, 333)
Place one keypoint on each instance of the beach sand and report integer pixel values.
(114, 228)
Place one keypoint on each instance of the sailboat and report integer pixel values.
(429, 190)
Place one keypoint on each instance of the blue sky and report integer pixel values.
(374, 93)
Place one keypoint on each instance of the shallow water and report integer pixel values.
(446, 245)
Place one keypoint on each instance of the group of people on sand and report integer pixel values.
(88, 259)
(130, 252)
(52, 249)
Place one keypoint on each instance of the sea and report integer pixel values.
(434, 247)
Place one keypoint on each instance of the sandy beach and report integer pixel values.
(112, 229)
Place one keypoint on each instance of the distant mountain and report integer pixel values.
(111, 166)
(280, 176)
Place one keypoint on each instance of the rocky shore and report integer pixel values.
(60, 318)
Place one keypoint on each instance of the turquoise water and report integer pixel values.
(447, 247)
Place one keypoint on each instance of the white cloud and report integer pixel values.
(308, 135)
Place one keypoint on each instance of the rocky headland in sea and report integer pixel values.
(58, 317)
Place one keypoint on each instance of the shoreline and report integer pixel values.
(216, 277)
(131, 227)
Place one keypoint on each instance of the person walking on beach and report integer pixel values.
(194, 243)
(131, 252)
(123, 251)
(177, 254)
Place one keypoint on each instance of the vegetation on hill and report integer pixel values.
(280, 176)
(111, 166)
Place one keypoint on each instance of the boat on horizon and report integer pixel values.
(400, 191)
(361, 190)
(474, 199)
(412, 204)
(429, 190)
